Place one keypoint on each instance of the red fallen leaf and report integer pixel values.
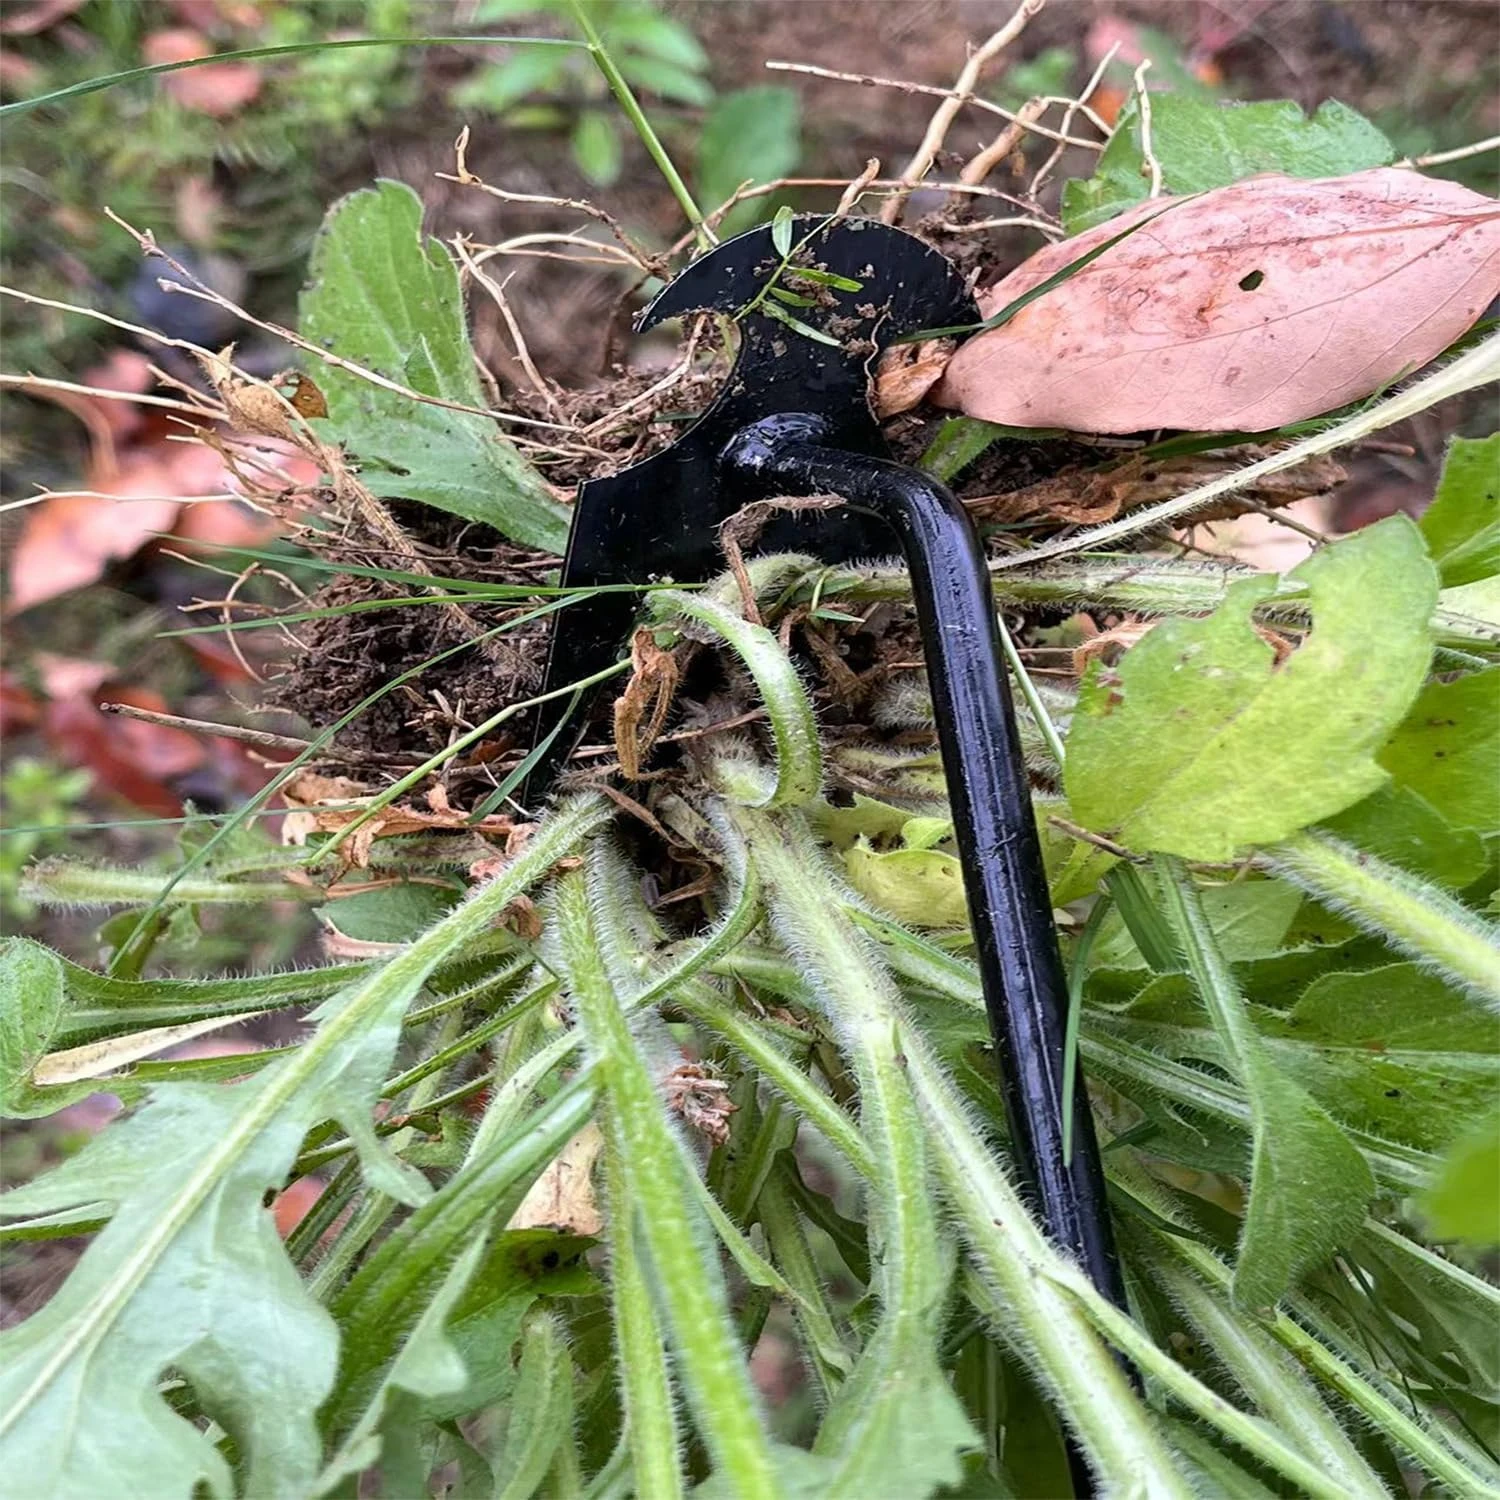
(213, 15)
(18, 74)
(28, 20)
(68, 540)
(1245, 308)
(132, 759)
(217, 89)
(292, 1205)
(82, 736)
(225, 523)
(125, 370)
(18, 708)
(70, 676)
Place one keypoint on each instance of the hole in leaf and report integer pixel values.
(1253, 280)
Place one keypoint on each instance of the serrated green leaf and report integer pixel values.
(596, 148)
(1463, 1202)
(1462, 525)
(382, 296)
(1200, 744)
(1201, 144)
(750, 134)
(190, 1272)
(1447, 750)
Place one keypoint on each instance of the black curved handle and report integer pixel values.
(1025, 989)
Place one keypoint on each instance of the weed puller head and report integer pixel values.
(794, 419)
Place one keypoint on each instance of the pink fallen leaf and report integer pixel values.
(69, 540)
(28, 20)
(1242, 309)
(217, 89)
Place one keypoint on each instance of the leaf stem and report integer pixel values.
(686, 1279)
(643, 128)
(1409, 913)
(640, 1349)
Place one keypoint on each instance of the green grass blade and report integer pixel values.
(248, 54)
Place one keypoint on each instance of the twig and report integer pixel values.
(963, 91)
(191, 286)
(497, 295)
(1148, 156)
(738, 721)
(643, 258)
(856, 189)
(870, 80)
(879, 184)
(1437, 158)
(1108, 845)
(29, 383)
(521, 244)
(611, 420)
(263, 739)
(1020, 221)
(1281, 518)
(1074, 106)
(978, 167)
(42, 495)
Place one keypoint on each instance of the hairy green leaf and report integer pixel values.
(381, 296)
(1250, 919)
(31, 1010)
(1462, 525)
(390, 914)
(1201, 144)
(540, 1411)
(1397, 824)
(190, 1271)
(685, 1277)
(1200, 743)
(922, 887)
(1447, 749)
(1392, 1051)
(1309, 1186)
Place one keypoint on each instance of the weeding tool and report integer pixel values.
(793, 419)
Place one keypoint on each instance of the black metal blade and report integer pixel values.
(659, 520)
